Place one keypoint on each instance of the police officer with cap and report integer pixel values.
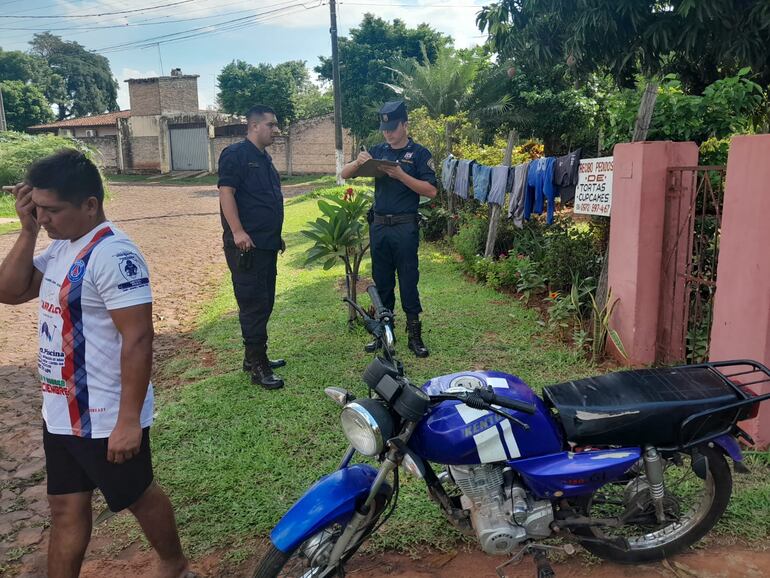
(393, 230)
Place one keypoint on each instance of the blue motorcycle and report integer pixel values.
(631, 465)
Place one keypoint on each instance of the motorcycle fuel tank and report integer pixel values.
(453, 433)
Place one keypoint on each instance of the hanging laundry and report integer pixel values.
(448, 168)
(565, 175)
(540, 188)
(498, 185)
(516, 206)
(462, 176)
(481, 178)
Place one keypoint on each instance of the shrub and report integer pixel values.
(435, 224)
(504, 272)
(714, 151)
(570, 250)
(18, 151)
(470, 240)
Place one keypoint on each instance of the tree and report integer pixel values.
(242, 85)
(696, 39)
(25, 105)
(28, 68)
(342, 232)
(313, 101)
(442, 86)
(89, 87)
(364, 60)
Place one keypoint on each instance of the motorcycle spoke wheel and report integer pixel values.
(691, 507)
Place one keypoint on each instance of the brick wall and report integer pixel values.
(107, 147)
(144, 96)
(178, 94)
(311, 143)
(144, 155)
(277, 150)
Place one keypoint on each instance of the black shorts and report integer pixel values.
(76, 464)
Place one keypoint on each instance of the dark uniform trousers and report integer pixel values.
(254, 291)
(394, 249)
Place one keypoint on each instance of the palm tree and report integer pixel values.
(442, 86)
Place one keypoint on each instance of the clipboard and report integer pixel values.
(371, 168)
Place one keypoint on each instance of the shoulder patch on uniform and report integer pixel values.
(431, 165)
(132, 269)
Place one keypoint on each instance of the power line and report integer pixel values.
(234, 24)
(388, 4)
(146, 22)
(158, 7)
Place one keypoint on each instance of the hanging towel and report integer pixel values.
(516, 206)
(462, 176)
(565, 176)
(448, 168)
(529, 189)
(498, 185)
(481, 179)
(540, 189)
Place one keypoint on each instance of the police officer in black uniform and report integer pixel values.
(251, 206)
(393, 230)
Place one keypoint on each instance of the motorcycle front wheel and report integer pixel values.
(310, 558)
(692, 506)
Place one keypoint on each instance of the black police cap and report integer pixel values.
(391, 114)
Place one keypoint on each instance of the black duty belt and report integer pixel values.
(395, 219)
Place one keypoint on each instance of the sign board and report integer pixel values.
(593, 195)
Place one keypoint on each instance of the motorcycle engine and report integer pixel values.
(502, 513)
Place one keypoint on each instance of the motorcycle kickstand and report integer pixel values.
(544, 569)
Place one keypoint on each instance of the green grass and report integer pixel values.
(234, 457)
(9, 227)
(7, 205)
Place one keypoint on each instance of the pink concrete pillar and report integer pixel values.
(741, 327)
(636, 239)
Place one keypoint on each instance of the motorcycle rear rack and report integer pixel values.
(691, 428)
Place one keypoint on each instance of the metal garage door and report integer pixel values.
(189, 149)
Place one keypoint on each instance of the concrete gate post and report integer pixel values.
(637, 228)
(741, 327)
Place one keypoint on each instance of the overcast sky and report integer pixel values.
(289, 30)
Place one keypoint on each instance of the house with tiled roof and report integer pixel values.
(164, 131)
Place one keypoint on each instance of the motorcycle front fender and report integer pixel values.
(331, 499)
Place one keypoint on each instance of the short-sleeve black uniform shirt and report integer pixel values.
(392, 197)
(257, 185)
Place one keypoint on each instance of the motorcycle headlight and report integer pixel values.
(367, 425)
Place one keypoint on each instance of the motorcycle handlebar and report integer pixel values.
(508, 403)
(379, 308)
(482, 398)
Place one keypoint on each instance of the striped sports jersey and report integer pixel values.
(79, 345)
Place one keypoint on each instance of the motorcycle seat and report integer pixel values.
(644, 406)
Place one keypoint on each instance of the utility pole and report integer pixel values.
(337, 95)
(3, 125)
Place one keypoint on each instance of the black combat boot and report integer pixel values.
(274, 363)
(261, 372)
(414, 332)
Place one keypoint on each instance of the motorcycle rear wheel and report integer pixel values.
(692, 507)
(306, 561)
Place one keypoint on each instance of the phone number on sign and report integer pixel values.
(592, 208)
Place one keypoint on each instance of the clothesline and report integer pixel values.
(532, 186)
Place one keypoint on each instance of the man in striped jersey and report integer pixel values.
(94, 359)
